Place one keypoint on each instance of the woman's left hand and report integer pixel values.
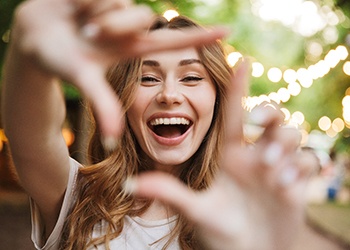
(256, 201)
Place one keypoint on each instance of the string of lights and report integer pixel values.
(297, 80)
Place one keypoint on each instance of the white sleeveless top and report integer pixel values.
(137, 234)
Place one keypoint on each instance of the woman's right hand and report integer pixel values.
(77, 40)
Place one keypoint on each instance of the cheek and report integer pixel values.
(134, 113)
(205, 106)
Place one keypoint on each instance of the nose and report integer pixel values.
(170, 94)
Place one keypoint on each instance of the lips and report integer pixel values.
(169, 127)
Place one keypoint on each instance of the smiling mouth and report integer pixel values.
(170, 127)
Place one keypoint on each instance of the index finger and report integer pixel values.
(189, 37)
(234, 109)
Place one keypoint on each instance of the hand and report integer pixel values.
(256, 201)
(77, 40)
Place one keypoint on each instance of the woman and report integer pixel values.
(175, 122)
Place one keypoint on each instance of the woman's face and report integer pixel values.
(173, 108)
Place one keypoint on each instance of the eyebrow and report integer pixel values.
(185, 62)
(151, 63)
(189, 61)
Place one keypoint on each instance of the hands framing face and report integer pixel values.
(77, 40)
(256, 201)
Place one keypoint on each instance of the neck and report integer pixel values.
(157, 211)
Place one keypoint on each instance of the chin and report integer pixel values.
(171, 164)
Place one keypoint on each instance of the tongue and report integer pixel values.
(167, 131)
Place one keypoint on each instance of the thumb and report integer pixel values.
(166, 188)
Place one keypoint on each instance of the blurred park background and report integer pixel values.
(299, 50)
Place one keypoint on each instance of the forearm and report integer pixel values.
(33, 112)
(32, 104)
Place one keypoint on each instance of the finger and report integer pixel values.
(283, 143)
(308, 163)
(90, 8)
(234, 110)
(106, 106)
(265, 119)
(118, 23)
(278, 162)
(292, 180)
(276, 157)
(237, 161)
(165, 188)
(157, 41)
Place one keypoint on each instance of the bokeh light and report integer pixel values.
(170, 14)
(346, 68)
(274, 74)
(257, 69)
(324, 123)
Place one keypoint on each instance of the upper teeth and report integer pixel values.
(170, 121)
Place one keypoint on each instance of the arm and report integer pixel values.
(33, 111)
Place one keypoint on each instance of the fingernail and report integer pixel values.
(288, 176)
(252, 132)
(272, 154)
(257, 116)
(109, 143)
(130, 185)
(90, 30)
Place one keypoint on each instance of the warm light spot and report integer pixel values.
(347, 124)
(346, 68)
(274, 74)
(68, 136)
(170, 14)
(346, 101)
(286, 113)
(332, 58)
(320, 69)
(258, 69)
(274, 97)
(290, 75)
(347, 91)
(342, 52)
(233, 58)
(294, 88)
(298, 117)
(324, 123)
(262, 99)
(338, 125)
(346, 113)
(283, 94)
(331, 133)
(3, 136)
(315, 49)
(304, 77)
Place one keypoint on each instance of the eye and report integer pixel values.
(149, 79)
(192, 79)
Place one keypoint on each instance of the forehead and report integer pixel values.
(173, 55)
(178, 54)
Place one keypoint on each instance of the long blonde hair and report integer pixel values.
(100, 195)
